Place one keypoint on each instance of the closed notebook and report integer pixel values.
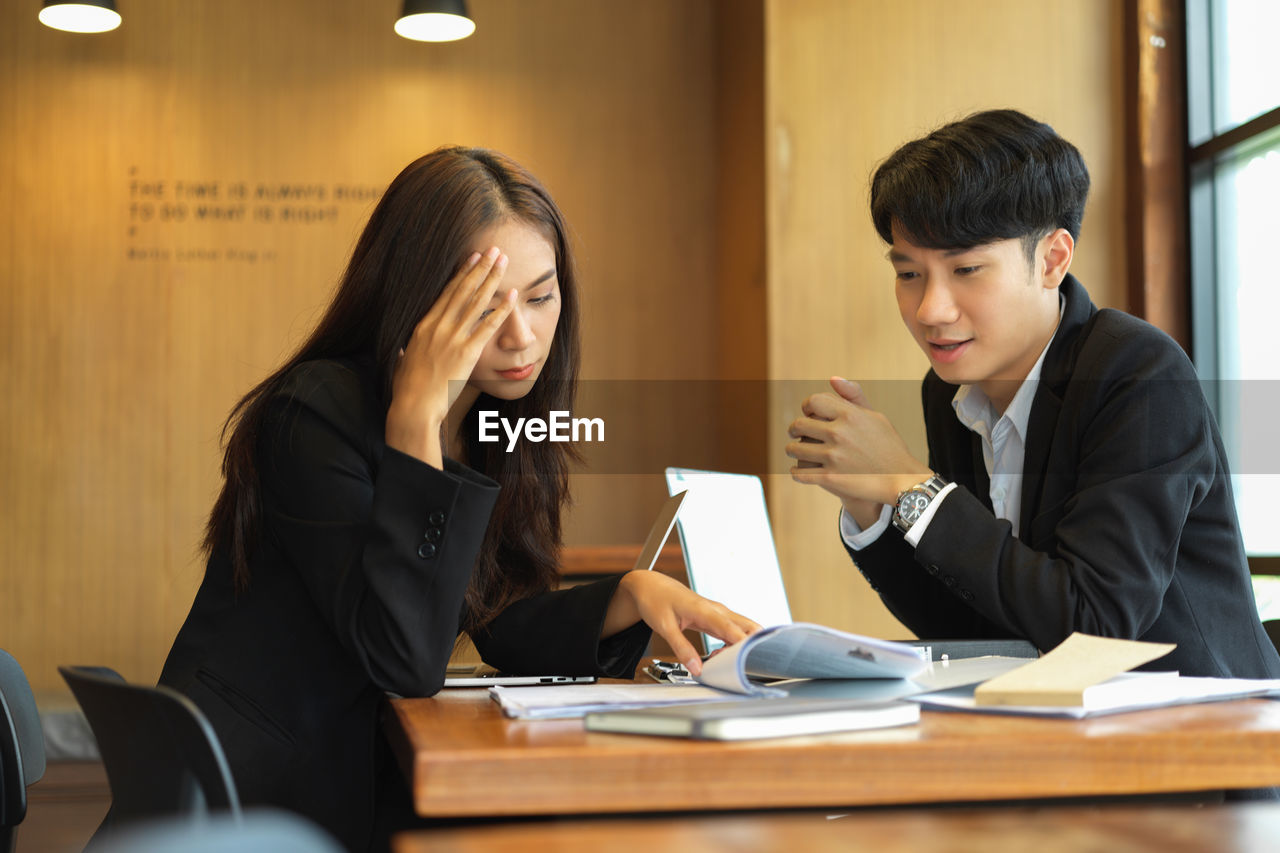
(757, 718)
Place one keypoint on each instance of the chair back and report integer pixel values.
(261, 830)
(160, 753)
(21, 747)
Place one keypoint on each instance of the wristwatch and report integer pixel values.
(914, 501)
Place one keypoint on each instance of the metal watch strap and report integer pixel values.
(930, 487)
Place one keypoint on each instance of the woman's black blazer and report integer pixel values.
(356, 588)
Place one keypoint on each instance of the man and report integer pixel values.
(1076, 480)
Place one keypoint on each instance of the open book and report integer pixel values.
(557, 701)
(804, 650)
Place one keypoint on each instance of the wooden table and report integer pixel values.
(465, 759)
(1238, 828)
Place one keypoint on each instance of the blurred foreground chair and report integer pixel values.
(21, 748)
(161, 756)
(254, 831)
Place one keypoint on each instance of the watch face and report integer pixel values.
(912, 505)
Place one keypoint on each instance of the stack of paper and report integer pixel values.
(574, 700)
(1133, 691)
(559, 701)
(1086, 676)
(1083, 676)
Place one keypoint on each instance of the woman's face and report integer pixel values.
(514, 357)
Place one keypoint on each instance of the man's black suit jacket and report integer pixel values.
(1128, 526)
(356, 588)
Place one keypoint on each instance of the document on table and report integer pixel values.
(560, 701)
(1086, 676)
(1067, 674)
(803, 650)
(1131, 691)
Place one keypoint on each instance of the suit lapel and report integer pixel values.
(1055, 375)
(1040, 429)
(981, 482)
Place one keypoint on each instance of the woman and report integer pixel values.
(362, 524)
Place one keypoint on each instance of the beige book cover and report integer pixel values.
(1061, 677)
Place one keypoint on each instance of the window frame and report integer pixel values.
(1170, 196)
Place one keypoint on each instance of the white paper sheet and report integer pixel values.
(558, 701)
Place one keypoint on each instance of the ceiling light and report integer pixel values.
(435, 20)
(84, 16)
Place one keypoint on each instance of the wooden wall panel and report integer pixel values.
(847, 82)
(116, 370)
(741, 244)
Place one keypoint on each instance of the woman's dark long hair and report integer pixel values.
(416, 239)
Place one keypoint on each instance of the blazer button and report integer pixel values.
(434, 534)
(949, 581)
(966, 595)
(933, 570)
(436, 518)
(426, 550)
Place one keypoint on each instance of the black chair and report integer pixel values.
(21, 748)
(1272, 627)
(161, 755)
(258, 831)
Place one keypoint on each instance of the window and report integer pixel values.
(1233, 116)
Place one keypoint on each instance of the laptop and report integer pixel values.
(728, 545)
(482, 675)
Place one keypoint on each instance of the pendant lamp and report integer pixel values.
(82, 16)
(435, 20)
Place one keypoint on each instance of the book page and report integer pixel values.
(724, 671)
(803, 650)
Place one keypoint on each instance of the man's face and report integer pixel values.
(982, 315)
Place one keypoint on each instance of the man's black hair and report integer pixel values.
(996, 175)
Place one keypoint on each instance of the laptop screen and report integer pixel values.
(728, 544)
